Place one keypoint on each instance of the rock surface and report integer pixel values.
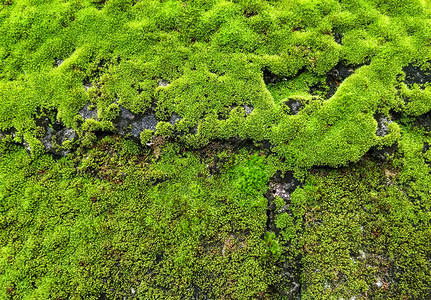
(294, 105)
(415, 74)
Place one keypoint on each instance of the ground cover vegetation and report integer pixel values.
(242, 149)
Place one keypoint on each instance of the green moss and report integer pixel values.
(186, 214)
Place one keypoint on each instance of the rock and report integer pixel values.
(58, 61)
(336, 76)
(66, 134)
(7, 132)
(338, 38)
(382, 125)
(142, 123)
(383, 154)
(130, 123)
(283, 188)
(53, 140)
(48, 140)
(294, 105)
(290, 286)
(162, 83)
(174, 118)
(87, 113)
(248, 109)
(415, 74)
(87, 85)
(122, 122)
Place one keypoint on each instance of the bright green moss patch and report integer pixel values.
(114, 219)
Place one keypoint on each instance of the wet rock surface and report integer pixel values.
(415, 74)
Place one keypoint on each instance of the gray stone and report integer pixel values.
(174, 118)
(66, 134)
(58, 61)
(129, 122)
(248, 109)
(382, 125)
(144, 122)
(87, 113)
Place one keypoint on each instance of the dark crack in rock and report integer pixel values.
(294, 105)
(87, 113)
(8, 132)
(289, 285)
(415, 74)
(382, 125)
(198, 294)
(383, 130)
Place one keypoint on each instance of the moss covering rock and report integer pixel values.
(241, 149)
